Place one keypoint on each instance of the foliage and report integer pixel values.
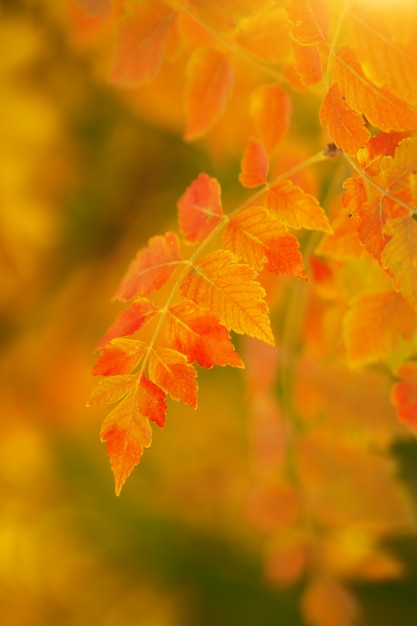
(320, 283)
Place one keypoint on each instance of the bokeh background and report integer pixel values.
(88, 173)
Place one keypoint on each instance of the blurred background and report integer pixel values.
(87, 174)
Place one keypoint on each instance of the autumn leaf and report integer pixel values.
(127, 430)
(254, 165)
(381, 107)
(197, 333)
(390, 57)
(140, 46)
(326, 602)
(200, 209)
(170, 370)
(270, 108)
(128, 322)
(400, 256)
(262, 241)
(387, 315)
(112, 389)
(208, 87)
(121, 356)
(346, 127)
(383, 144)
(296, 208)
(229, 289)
(395, 169)
(151, 268)
(367, 217)
(307, 63)
(265, 34)
(404, 395)
(309, 21)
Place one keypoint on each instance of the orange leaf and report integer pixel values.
(400, 256)
(208, 86)
(261, 240)
(307, 63)
(270, 108)
(112, 389)
(200, 209)
(391, 56)
(265, 35)
(198, 334)
(404, 395)
(296, 208)
(229, 290)
(396, 168)
(367, 217)
(327, 603)
(381, 107)
(374, 324)
(127, 430)
(129, 321)
(121, 356)
(310, 21)
(170, 371)
(379, 145)
(346, 127)
(140, 46)
(254, 165)
(151, 268)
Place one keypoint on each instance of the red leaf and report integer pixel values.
(198, 334)
(254, 165)
(169, 370)
(404, 395)
(200, 209)
(263, 241)
(121, 356)
(151, 268)
(127, 430)
(128, 322)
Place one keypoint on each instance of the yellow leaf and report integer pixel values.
(296, 208)
(229, 290)
(381, 107)
(261, 240)
(170, 370)
(310, 21)
(265, 35)
(374, 324)
(111, 389)
(399, 256)
(389, 56)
